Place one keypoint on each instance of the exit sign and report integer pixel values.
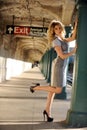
(17, 30)
(24, 30)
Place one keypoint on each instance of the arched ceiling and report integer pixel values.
(35, 13)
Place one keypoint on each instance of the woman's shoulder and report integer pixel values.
(56, 39)
(56, 42)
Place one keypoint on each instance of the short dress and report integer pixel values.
(60, 67)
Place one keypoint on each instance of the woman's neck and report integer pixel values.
(60, 37)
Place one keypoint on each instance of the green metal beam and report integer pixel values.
(77, 114)
(81, 2)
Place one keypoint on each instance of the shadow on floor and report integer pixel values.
(38, 126)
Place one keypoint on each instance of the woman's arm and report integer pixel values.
(64, 55)
(73, 36)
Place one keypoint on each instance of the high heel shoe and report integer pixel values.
(32, 87)
(49, 119)
(37, 84)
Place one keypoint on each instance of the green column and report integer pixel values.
(77, 114)
(44, 62)
(49, 66)
(52, 55)
(45, 65)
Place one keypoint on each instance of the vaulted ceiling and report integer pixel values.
(35, 13)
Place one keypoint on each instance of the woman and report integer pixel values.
(56, 36)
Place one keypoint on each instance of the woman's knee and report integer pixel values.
(59, 89)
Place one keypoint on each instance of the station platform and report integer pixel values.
(22, 110)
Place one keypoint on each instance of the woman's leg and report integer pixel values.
(52, 91)
(49, 102)
(49, 88)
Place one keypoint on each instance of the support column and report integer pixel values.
(52, 56)
(77, 114)
(49, 65)
(2, 69)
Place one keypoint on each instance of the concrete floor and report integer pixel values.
(22, 110)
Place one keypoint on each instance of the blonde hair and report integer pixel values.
(51, 33)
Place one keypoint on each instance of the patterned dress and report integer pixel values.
(60, 68)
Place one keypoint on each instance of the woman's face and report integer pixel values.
(58, 30)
